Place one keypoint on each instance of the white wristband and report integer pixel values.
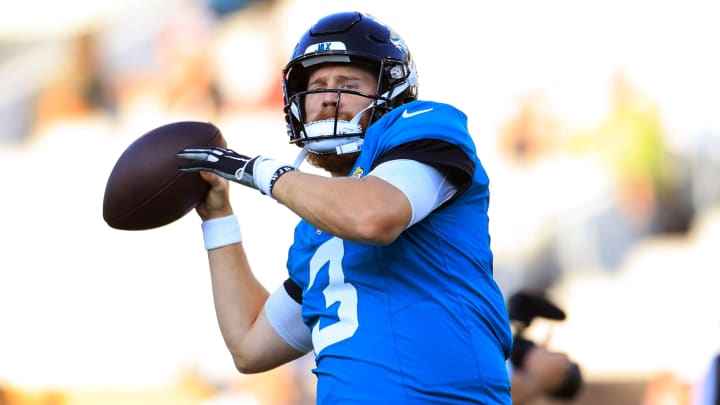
(266, 171)
(219, 232)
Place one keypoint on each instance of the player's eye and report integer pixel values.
(350, 86)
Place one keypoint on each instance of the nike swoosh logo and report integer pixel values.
(407, 114)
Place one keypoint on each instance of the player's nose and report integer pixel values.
(330, 98)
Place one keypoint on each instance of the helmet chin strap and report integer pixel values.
(300, 157)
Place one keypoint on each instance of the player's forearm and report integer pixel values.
(366, 210)
(238, 296)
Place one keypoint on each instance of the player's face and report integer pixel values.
(319, 106)
(322, 106)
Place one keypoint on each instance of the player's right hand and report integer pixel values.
(217, 201)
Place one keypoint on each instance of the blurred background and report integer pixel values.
(597, 121)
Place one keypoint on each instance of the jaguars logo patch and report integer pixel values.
(358, 172)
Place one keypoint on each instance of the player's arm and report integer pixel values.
(369, 210)
(238, 296)
(364, 210)
(240, 301)
(406, 184)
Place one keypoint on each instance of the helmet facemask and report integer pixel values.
(331, 134)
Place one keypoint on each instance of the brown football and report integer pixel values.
(145, 189)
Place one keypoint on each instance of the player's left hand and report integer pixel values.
(258, 172)
(224, 162)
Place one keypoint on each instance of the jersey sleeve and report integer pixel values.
(444, 156)
(285, 316)
(425, 187)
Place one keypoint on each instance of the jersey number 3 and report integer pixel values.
(337, 290)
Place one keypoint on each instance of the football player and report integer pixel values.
(390, 272)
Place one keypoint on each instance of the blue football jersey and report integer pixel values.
(418, 321)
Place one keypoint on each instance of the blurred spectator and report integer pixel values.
(533, 133)
(649, 191)
(250, 58)
(535, 371)
(532, 147)
(647, 194)
(185, 67)
(79, 90)
(180, 82)
(666, 388)
(542, 376)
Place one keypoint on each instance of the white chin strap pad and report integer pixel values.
(322, 128)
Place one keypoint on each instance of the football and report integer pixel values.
(145, 189)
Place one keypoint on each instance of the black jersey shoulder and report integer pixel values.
(446, 157)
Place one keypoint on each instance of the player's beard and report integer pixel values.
(336, 165)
